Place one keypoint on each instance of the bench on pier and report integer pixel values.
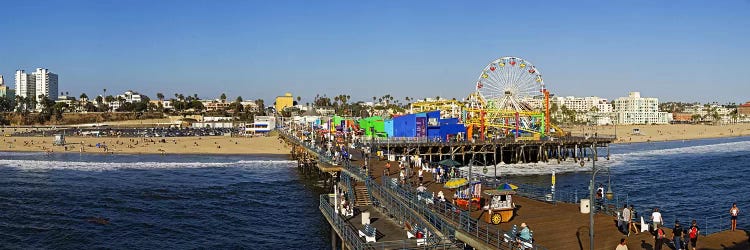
(415, 232)
(369, 232)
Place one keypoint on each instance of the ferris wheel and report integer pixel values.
(508, 83)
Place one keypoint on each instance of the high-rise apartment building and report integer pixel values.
(39, 82)
(46, 85)
(25, 86)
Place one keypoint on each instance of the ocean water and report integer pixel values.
(697, 179)
(259, 202)
(150, 201)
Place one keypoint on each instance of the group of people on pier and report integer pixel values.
(680, 237)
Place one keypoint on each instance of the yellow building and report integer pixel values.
(285, 101)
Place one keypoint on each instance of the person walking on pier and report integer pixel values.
(734, 212)
(402, 175)
(677, 236)
(388, 168)
(656, 218)
(633, 219)
(693, 232)
(421, 176)
(625, 223)
(658, 237)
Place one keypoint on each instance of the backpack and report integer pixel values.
(659, 234)
(693, 232)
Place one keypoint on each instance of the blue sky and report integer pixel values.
(674, 50)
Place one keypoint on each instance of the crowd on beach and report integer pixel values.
(130, 132)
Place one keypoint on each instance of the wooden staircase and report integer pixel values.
(362, 198)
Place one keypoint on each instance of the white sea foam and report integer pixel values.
(702, 149)
(536, 168)
(616, 160)
(106, 166)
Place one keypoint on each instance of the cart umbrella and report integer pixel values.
(449, 163)
(507, 186)
(456, 183)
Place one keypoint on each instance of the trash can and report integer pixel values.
(585, 206)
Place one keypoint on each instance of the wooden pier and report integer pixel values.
(555, 226)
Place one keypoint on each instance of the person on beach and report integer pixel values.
(656, 218)
(693, 232)
(734, 212)
(623, 245)
(677, 236)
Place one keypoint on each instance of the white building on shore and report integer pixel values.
(39, 82)
(635, 109)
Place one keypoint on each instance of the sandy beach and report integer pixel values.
(154, 145)
(669, 132)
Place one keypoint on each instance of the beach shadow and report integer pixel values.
(373, 219)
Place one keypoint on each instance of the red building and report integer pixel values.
(744, 109)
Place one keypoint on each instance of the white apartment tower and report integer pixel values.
(25, 85)
(635, 109)
(46, 84)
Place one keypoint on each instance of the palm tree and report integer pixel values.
(83, 96)
(717, 118)
(223, 97)
(160, 96)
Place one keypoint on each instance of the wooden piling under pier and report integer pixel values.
(494, 152)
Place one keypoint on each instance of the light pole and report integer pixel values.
(592, 202)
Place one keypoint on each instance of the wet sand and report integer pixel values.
(268, 145)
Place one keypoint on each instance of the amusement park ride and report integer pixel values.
(501, 105)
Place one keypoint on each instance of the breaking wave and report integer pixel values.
(108, 166)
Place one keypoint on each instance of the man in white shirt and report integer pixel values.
(656, 218)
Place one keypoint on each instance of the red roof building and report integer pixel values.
(744, 109)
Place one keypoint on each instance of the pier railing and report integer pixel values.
(708, 225)
(449, 218)
(349, 233)
(393, 206)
